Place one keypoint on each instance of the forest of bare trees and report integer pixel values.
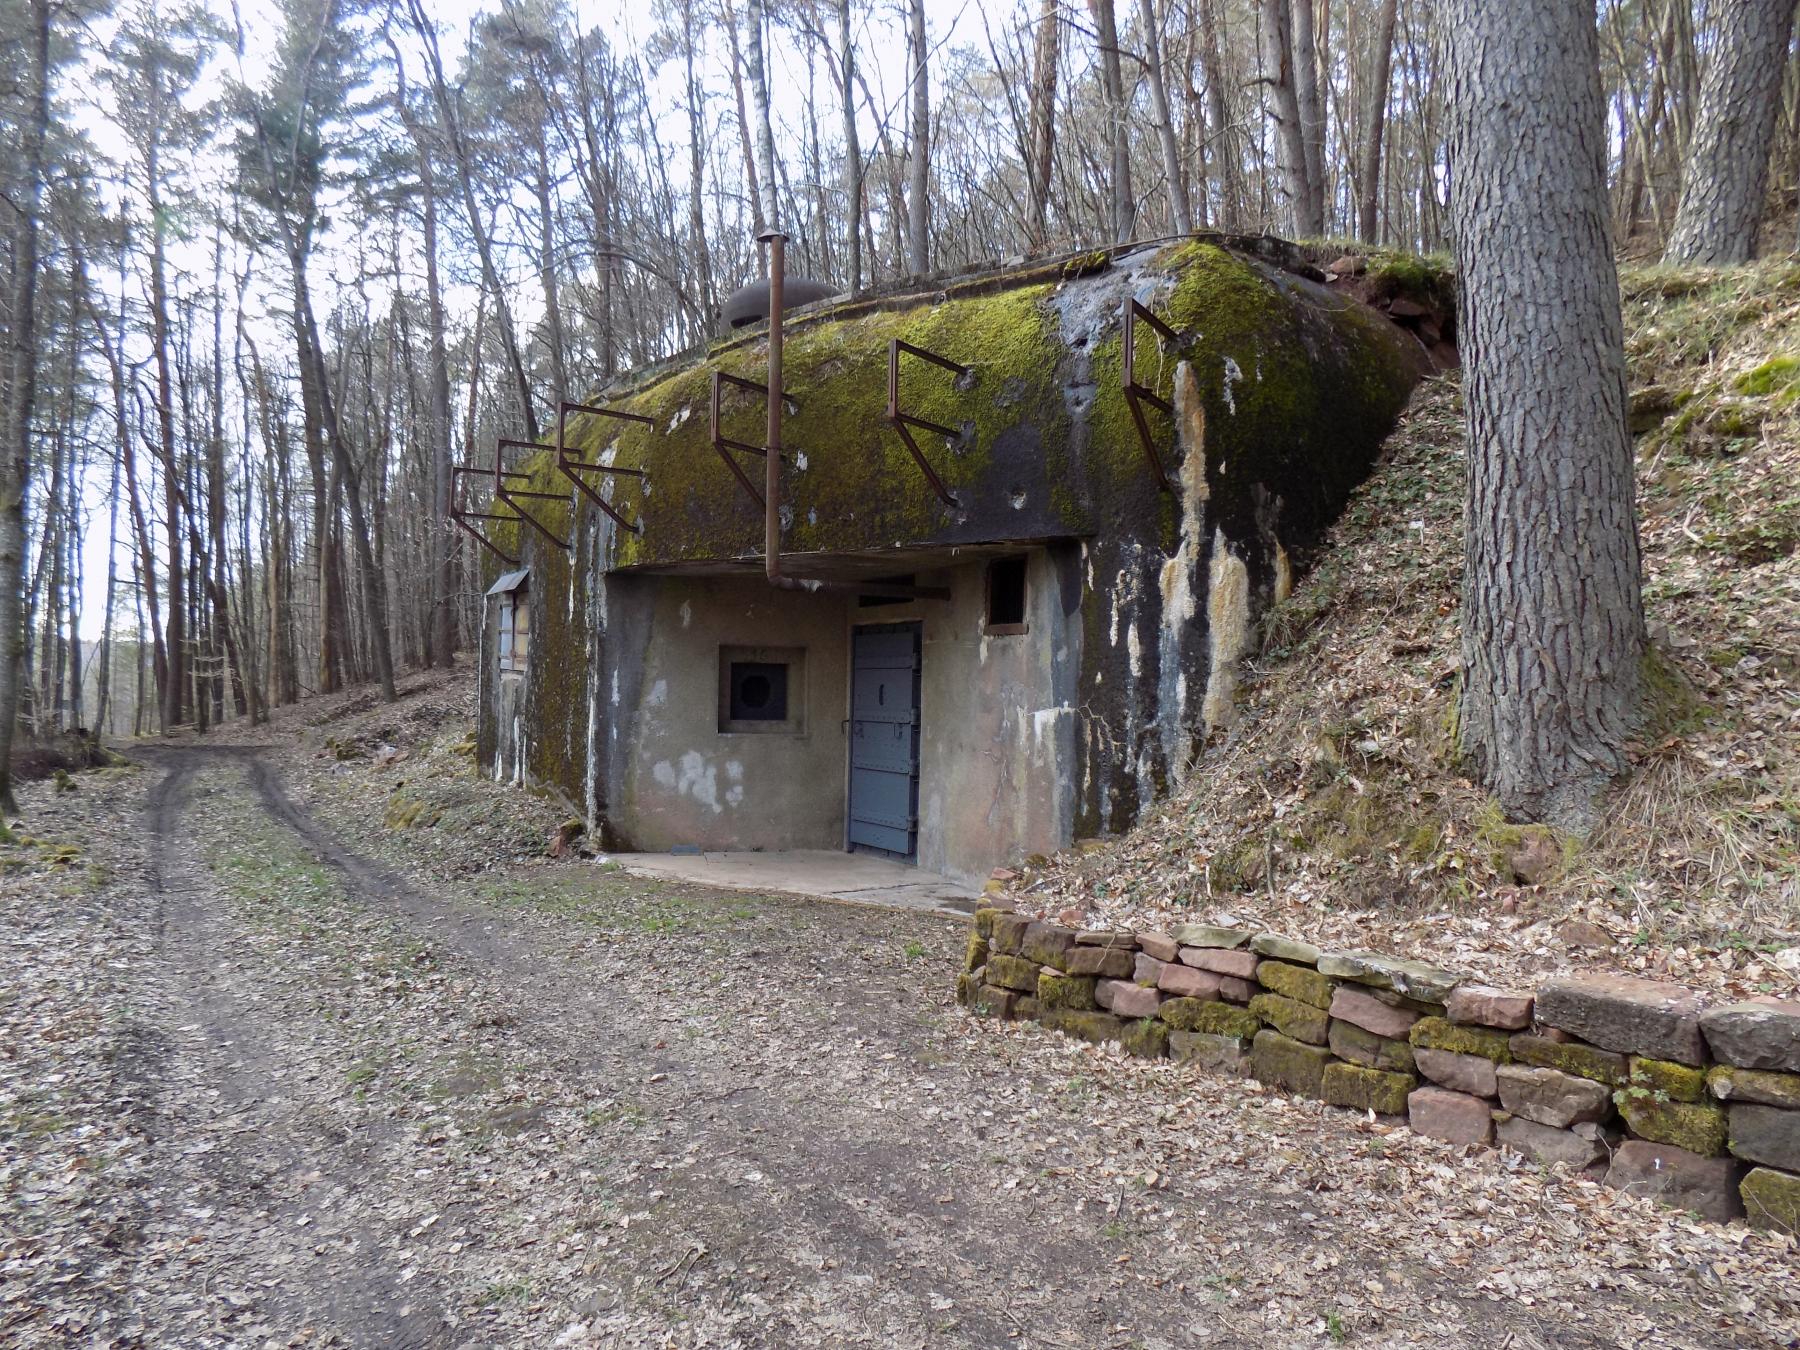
(268, 274)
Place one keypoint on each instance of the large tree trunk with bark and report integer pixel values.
(1727, 170)
(1553, 624)
(918, 164)
(1275, 42)
(21, 392)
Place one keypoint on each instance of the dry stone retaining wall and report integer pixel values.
(1635, 1081)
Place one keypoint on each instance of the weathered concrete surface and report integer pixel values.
(828, 874)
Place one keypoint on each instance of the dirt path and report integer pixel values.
(560, 1106)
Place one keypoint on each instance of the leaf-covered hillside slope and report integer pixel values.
(1337, 808)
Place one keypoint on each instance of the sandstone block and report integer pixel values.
(1366, 1089)
(993, 1001)
(1580, 1147)
(1115, 963)
(1242, 965)
(1126, 999)
(1160, 945)
(1766, 1134)
(1186, 982)
(1147, 970)
(1048, 944)
(1008, 932)
(1283, 1062)
(1454, 1117)
(1678, 1082)
(1118, 938)
(1285, 949)
(968, 986)
(1437, 1033)
(1473, 1074)
(1371, 1014)
(1210, 1017)
(976, 954)
(1480, 1005)
(984, 920)
(1301, 1021)
(1207, 935)
(1146, 1037)
(1084, 1026)
(1729, 1084)
(1551, 1097)
(1415, 979)
(1027, 1008)
(1584, 1061)
(1621, 1012)
(1350, 1042)
(1771, 1199)
(1056, 990)
(1236, 990)
(1297, 982)
(1698, 1127)
(1676, 1177)
(1222, 1054)
(1759, 1034)
(1013, 972)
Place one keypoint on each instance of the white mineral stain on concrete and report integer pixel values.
(1228, 617)
(659, 694)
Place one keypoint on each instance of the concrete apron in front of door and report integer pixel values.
(851, 878)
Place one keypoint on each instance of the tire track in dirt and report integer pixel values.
(235, 1144)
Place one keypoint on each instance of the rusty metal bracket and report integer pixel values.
(723, 443)
(461, 518)
(903, 421)
(511, 496)
(573, 466)
(1136, 395)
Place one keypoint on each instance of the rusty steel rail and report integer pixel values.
(903, 421)
(1136, 395)
(512, 496)
(724, 444)
(572, 467)
(461, 518)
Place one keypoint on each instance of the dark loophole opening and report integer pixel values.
(758, 691)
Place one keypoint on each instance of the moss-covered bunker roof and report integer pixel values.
(1300, 384)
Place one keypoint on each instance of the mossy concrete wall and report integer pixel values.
(1286, 390)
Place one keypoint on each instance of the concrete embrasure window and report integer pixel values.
(762, 690)
(514, 644)
(1006, 598)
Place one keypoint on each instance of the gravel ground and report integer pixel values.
(273, 1075)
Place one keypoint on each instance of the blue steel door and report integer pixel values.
(884, 740)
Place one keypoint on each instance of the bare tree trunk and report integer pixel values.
(1727, 171)
(1041, 155)
(1553, 622)
(1368, 224)
(1123, 216)
(918, 164)
(753, 179)
(1275, 43)
(174, 688)
(703, 273)
(853, 168)
(1181, 216)
(1306, 94)
(1221, 150)
(21, 390)
(759, 99)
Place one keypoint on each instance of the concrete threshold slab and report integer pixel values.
(850, 878)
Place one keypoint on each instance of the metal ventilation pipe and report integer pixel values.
(775, 239)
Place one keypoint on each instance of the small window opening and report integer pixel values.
(1006, 596)
(762, 689)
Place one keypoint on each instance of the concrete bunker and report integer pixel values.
(997, 633)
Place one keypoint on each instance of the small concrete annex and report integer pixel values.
(1013, 634)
